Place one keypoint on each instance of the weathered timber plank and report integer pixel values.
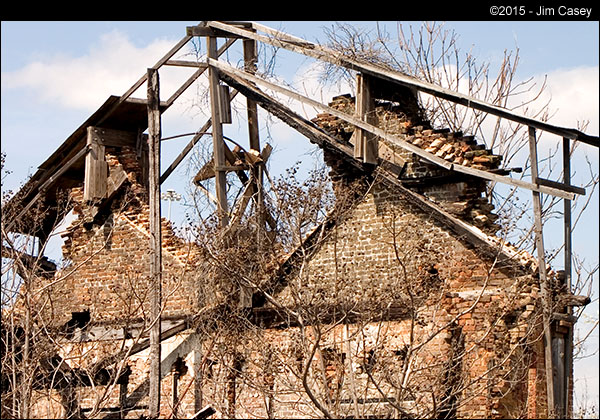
(224, 104)
(96, 168)
(154, 135)
(113, 138)
(562, 186)
(186, 63)
(250, 66)
(566, 147)
(217, 134)
(206, 31)
(543, 275)
(365, 143)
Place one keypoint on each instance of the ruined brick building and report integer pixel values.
(402, 302)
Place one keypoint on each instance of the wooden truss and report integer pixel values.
(109, 126)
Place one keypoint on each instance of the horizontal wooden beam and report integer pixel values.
(232, 72)
(560, 185)
(207, 31)
(185, 63)
(112, 137)
(279, 39)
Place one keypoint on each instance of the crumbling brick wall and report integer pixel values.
(388, 252)
(109, 257)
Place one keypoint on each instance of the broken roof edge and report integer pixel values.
(130, 114)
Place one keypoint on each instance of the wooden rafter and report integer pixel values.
(292, 43)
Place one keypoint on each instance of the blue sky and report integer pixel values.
(55, 74)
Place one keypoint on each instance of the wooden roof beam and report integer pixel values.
(206, 31)
(186, 63)
(280, 39)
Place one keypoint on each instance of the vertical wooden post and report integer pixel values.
(348, 338)
(250, 67)
(567, 210)
(154, 134)
(174, 396)
(543, 275)
(252, 109)
(250, 59)
(365, 143)
(217, 135)
(567, 237)
(123, 395)
(96, 168)
(197, 362)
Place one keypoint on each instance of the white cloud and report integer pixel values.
(570, 93)
(306, 81)
(109, 67)
(574, 97)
